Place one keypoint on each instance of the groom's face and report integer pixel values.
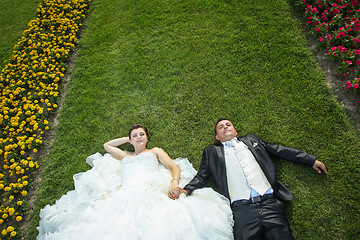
(225, 131)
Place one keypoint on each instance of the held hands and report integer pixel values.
(318, 166)
(174, 193)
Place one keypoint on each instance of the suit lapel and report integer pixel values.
(222, 167)
(220, 153)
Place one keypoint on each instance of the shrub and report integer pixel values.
(336, 24)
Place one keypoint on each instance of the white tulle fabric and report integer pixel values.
(128, 200)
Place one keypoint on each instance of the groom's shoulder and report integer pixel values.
(248, 136)
(212, 147)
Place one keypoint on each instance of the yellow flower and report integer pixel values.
(4, 232)
(23, 193)
(19, 203)
(4, 216)
(13, 234)
(10, 229)
(18, 218)
(11, 212)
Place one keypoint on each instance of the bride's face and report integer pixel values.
(138, 137)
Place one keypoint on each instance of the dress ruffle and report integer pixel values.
(128, 200)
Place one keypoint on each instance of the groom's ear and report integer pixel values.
(217, 137)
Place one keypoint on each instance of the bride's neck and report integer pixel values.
(139, 150)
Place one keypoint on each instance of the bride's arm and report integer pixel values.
(168, 163)
(112, 147)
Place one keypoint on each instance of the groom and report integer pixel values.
(243, 172)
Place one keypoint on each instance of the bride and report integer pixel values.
(128, 195)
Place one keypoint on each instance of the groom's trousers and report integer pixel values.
(265, 219)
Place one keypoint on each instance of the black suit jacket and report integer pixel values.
(213, 165)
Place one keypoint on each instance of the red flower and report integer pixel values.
(356, 86)
(348, 85)
(341, 34)
(357, 51)
(341, 49)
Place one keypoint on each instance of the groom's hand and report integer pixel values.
(318, 166)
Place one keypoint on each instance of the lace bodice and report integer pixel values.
(140, 169)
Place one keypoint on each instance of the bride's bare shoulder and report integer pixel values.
(156, 150)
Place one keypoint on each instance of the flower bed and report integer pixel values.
(29, 84)
(336, 24)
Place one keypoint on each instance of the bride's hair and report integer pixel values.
(136, 126)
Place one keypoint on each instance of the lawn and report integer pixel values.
(176, 66)
(14, 16)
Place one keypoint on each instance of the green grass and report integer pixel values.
(176, 66)
(14, 17)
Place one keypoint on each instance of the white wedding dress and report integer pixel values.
(128, 200)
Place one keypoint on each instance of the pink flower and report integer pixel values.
(336, 11)
(357, 62)
(356, 85)
(356, 40)
(321, 39)
(344, 74)
(341, 34)
(328, 37)
(348, 86)
(341, 49)
(357, 51)
(348, 62)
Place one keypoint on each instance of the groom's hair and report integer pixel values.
(219, 120)
(136, 126)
